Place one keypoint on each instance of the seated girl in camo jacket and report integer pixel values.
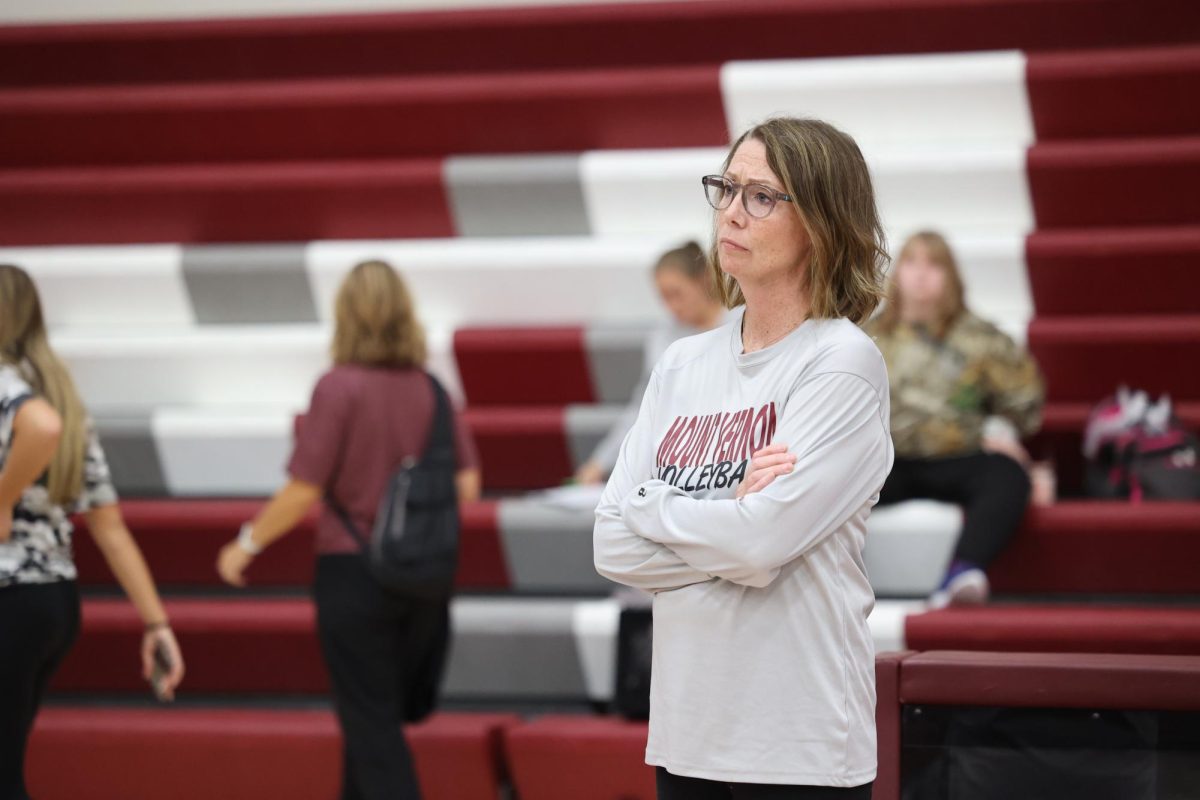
(949, 371)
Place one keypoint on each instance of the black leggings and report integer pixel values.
(673, 787)
(38, 625)
(992, 489)
(384, 653)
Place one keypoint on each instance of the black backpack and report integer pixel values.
(413, 549)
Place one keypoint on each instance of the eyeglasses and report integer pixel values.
(758, 200)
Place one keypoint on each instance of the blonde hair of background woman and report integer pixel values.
(691, 261)
(825, 173)
(25, 346)
(376, 324)
(953, 303)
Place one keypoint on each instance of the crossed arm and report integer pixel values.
(831, 455)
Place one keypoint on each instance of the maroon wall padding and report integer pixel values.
(1085, 359)
(1057, 629)
(521, 448)
(1118, 271)
(180, 539)
(583, 758)
(523, 366)
(1099, 547)
(611, 35)
(250, 754)
(363, 117)
(1130, 182)
(1052, 680)
(887, 724)
(224, 203)
(1115, 93)
(243, 645)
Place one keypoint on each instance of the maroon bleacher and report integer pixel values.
(1058, 629)
(1052, 680)
(581, 757)
(1103, 548)
(568, 36)
(243, 754)
(180, 539)
(1085, 358)
(225, 202)
(1126, 92)
(1115, 182)
(256, 645)
(521, 448)
(524, 366)
(1139, 271)
(363, 118)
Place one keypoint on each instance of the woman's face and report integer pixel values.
(921, 280)
(686, 298)
(754, 250)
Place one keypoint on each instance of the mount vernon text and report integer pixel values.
(713, 450)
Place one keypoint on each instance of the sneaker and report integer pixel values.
(965, 585)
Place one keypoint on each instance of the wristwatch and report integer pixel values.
(245, 539)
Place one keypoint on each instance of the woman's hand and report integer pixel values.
(232, 562)
(162, 637)
(6, 519)
(765, 466)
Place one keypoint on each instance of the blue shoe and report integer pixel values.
(965, 585)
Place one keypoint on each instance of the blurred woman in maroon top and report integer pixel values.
(372, 410)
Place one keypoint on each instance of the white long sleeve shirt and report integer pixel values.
(763, 661)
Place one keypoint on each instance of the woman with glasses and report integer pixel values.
(741, 495)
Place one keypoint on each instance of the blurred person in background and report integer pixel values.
(369, 413)
(684, 282)
(949, 372)
(52, 466)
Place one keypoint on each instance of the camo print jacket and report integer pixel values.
(943, 390)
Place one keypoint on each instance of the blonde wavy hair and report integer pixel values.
(825, 173)
(376, 324)
(25, 346)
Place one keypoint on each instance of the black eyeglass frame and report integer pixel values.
(733, 188)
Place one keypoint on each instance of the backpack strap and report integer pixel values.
(441, 430)
(347, 523)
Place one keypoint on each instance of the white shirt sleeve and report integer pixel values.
(833, 423)
(620, 554)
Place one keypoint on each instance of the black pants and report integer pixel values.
(992, 489)
(38, 625)
(385, 653)
(673, 787)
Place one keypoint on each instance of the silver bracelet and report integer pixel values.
(245, 539)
